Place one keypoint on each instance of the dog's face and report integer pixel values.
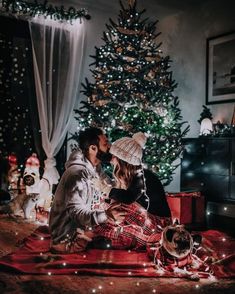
(30, 177)
(177, 241)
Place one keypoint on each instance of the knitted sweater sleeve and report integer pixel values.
(132, 193)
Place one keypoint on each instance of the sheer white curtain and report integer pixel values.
(58, 62)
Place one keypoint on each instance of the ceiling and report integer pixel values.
(109, 4)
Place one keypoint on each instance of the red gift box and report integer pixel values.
(187, 207)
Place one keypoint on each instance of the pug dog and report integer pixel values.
(176, 251)
(176, 246)
(31, 178)
(36, 185)
(177, 241)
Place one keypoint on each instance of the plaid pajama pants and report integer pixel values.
(139, 229)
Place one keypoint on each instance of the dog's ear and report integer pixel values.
(170, 234)
(197, 240)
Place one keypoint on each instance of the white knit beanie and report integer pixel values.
(128, 149)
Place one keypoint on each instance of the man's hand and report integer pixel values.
(115, 213)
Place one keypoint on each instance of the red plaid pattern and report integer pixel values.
(139, 229)
(162, 258)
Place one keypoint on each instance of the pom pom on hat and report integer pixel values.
(140, 138)
(129, 149)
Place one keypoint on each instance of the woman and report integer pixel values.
(132, 182)
(141, 195)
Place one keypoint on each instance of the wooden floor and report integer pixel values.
(12, 231)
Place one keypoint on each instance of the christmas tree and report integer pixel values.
(206, 113)
(133, 91)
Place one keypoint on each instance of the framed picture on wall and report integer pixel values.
(220, 69)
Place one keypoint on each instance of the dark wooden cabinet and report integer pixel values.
(208, 165)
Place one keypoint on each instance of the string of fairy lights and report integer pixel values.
(45, 9)
(15, 117)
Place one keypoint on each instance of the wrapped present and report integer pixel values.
(184, 194)
(187, 207)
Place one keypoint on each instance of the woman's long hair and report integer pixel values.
(124, 173)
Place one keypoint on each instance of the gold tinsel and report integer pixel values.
(132, 68)
(152, 58)
(93, 100)
(101, 102)
(130, 32)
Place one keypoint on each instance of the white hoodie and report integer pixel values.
(71, 207)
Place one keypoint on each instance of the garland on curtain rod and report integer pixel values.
(45, 9)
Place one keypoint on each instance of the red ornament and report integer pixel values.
(32, 161)
(12, 159)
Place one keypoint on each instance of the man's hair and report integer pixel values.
(88, 137)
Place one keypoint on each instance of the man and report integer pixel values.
(72, 215)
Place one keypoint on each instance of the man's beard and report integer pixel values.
(104, 157)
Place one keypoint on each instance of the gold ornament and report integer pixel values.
(127, 31)
(150, 75)
(140, 95)
(119, 49)
(92, 98)
(153, 58)
(115, 82)
(128, 58)
(101, 86)
(106, 93)
(101, 102)
(132, 68)
(130, 48)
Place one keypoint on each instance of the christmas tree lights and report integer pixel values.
(133, 91)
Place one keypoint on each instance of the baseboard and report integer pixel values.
(222, 209)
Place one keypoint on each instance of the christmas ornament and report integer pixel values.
(42, 187)
(13, 175)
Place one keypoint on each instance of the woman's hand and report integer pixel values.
(115, 213)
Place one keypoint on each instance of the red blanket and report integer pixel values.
(34, 258)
